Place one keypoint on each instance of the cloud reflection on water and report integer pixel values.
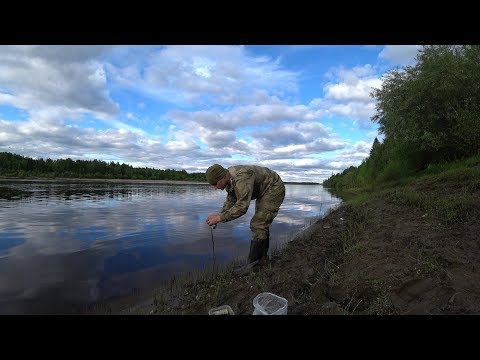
(73, 244)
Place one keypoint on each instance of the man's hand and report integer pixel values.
(213, 219)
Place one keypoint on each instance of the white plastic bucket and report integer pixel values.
(269, 304)
(221, 310)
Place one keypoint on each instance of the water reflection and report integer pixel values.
(11, 193)
(71, 244)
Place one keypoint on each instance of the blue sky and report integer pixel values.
(301, 110)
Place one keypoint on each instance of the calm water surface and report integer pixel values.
(64, 245)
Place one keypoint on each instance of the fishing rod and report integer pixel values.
(213, 248)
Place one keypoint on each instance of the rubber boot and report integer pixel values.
(256, 255)
(257, 251)
(267, 244)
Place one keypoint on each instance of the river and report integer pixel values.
(68, 244)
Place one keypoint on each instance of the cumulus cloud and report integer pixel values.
(182, 107)
(188, 74)
(68, 78)
(400, 55)
(243, 116)
(348, 94)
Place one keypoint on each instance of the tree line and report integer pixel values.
(13, 165)
(428, 113)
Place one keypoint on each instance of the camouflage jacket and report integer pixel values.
(247, 182)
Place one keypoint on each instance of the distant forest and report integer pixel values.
(13, 165)
(17, 166)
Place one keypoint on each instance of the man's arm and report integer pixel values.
(229, 201)
(243, 193)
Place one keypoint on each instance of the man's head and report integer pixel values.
(215, 173)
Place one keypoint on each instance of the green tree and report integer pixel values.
(429, 112)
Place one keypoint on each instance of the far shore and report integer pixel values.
(185, 182)
(39, 179)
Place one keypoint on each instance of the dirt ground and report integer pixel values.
(383, 257)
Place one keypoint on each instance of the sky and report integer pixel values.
(301, 110)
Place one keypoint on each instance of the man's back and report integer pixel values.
(257, 179)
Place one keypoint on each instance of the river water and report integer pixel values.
(68, 244)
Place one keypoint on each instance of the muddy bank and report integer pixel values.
(403, 251)
(387, 256)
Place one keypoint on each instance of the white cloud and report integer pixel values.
(348, 94)
(400, 55)
(66, 77)
(184, 107)
(357, 91)
(186, 74)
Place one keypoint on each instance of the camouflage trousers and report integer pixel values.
(266, 209)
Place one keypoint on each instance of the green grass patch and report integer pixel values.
(407, 196)
(454, 210)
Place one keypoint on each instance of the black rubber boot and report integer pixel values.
(256, 256)
(267, 244)
(257, 251)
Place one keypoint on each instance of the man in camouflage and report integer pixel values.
(244, 183)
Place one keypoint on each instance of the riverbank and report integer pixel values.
(408, 248)
(411, 248)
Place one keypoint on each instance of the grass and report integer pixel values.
(349, 244)
(449, 209)
(445, 192)
(350, 235)
(382, 305)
